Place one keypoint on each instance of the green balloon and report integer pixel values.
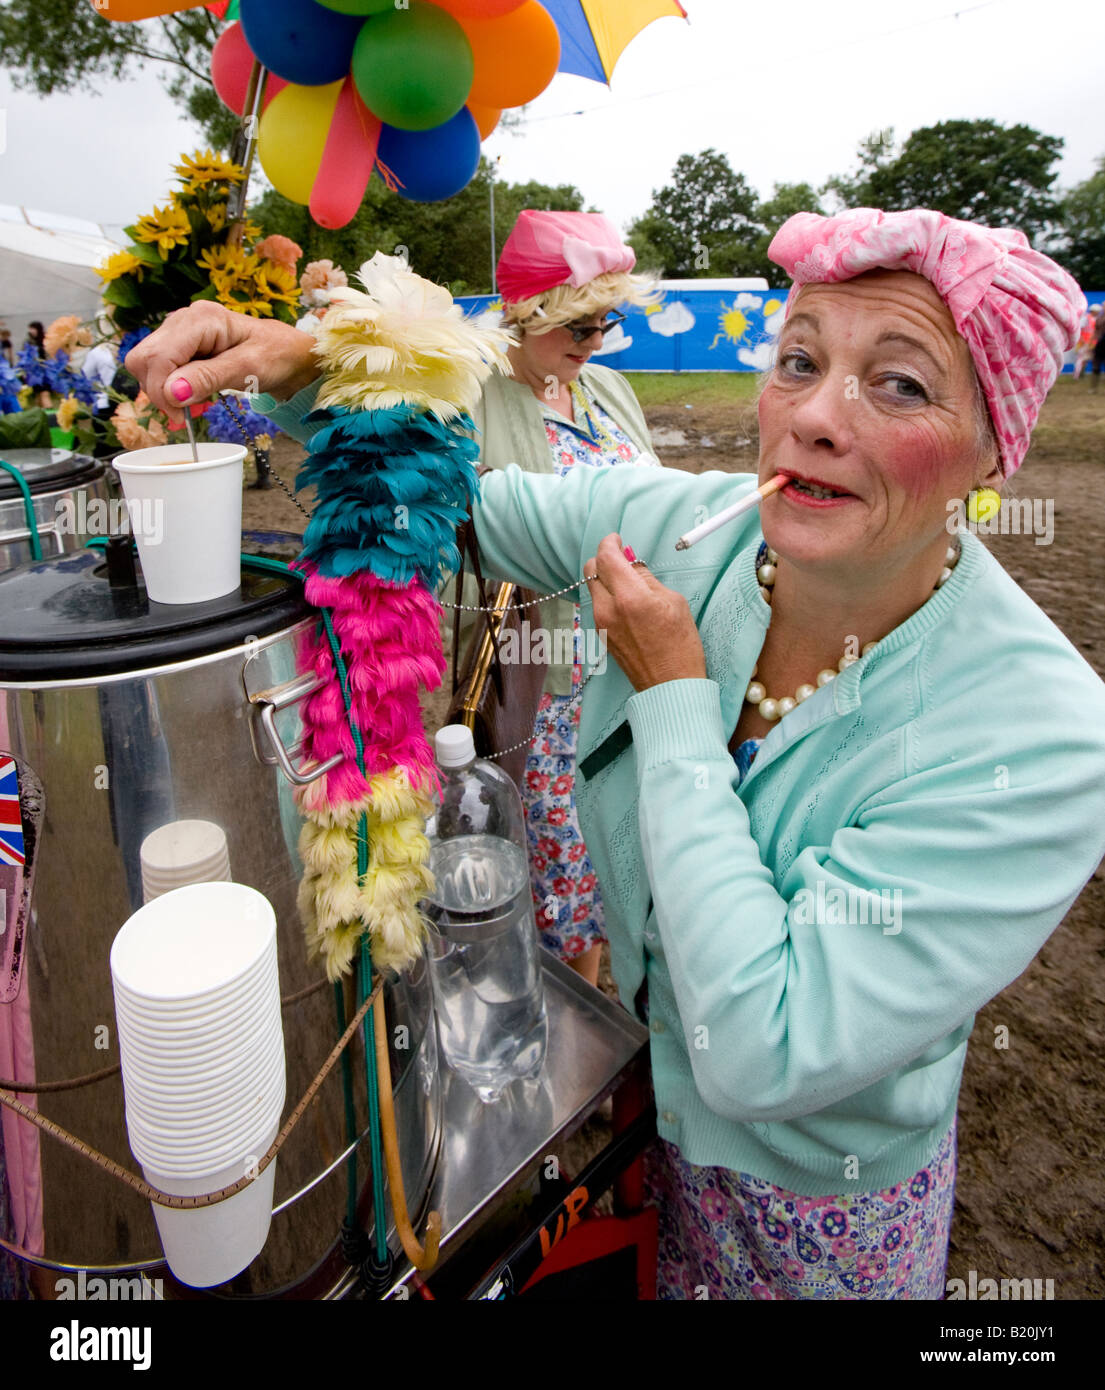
(359, 6)
(413, 67)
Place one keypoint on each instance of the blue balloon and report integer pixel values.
(432, 165)
(300, 41)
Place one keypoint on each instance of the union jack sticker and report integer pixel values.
(11, 819)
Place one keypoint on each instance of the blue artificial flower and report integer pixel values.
(32, 368)
(131, 340)
(227, 423)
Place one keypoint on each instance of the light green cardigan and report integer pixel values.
(948, 788)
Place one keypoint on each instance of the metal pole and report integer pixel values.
(491, 188)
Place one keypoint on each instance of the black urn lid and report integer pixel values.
(75, 617)
(46, 470)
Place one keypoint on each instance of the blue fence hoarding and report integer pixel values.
(697, 331)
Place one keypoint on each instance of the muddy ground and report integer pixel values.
(1030, 1199)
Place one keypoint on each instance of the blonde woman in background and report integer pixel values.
(562, 276)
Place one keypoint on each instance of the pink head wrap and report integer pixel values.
(545, 249)
(1016, 308)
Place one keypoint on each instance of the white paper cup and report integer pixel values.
(204, 1073)
(154, 1137)
(155, 1145)
(186, 518)
(233, 1001)
(180, 844)
(193, 943)
(209, 1245)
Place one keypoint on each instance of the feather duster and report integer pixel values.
(393, 468)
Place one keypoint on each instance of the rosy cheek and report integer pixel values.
(914, 461)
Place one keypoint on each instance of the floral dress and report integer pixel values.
(565, 890)
(728, 1235)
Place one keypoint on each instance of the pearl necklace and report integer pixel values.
(770, 708)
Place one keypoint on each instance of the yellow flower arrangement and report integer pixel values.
(119, 263)
(24, 395)
(165, 228)
(216, 217)
(198, 169)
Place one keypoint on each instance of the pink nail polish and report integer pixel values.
(181, 390)
(629, 555)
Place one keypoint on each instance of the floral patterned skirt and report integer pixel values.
(565, 890)
(727, 1235)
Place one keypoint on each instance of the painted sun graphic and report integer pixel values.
(732, 325)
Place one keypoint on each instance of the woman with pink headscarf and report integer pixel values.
(843, 778)
(561, 276)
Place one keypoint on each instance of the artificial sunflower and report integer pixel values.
(229, 267)
(275, 281)
(119, 263)
(196, 170)
(216, 217)
(165, 228)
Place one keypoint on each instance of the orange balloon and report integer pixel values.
(486, 118)
(141, 9)
(516, 55)
(479, 9)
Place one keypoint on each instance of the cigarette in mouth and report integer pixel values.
(753, 499)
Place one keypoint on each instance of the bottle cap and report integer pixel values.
(454, 746)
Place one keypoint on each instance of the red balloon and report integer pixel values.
(347, 160)
(231, 66)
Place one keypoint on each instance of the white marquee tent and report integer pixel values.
(46, 268)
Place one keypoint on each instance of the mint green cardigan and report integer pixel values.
(948, 788)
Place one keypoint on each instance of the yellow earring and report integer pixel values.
(983, 504)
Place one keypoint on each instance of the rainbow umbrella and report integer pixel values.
(595, 33)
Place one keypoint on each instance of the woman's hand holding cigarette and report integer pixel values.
(648, 629)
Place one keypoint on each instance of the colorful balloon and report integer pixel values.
(432, 165)
(231, 68)
(361, 7)
(141, 9)
(291, 137)
(486, 117)
(347, 160)
(299, 40)
(479, 9)
(413, 67)
(516, 56)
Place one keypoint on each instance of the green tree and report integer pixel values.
(447, 242)
(980, 171)
(850, 190)
(703, 223)
(785, 201)
(53, 46)
(1082, 247)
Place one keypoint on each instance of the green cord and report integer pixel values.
(28, 507)
(372, 1089)
(350, 1114)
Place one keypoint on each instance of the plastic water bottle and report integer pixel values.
(485, 962)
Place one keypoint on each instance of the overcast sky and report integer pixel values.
(786, 91)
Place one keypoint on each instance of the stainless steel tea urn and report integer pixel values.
(135, 714)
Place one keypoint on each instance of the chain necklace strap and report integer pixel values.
(232, 409)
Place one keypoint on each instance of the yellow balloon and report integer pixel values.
(291, 137)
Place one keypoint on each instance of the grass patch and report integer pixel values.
(655, 389)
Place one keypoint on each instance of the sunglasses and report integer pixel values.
(581, 331)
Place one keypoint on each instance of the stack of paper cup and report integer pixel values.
(197, 1005)
(183, 852)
